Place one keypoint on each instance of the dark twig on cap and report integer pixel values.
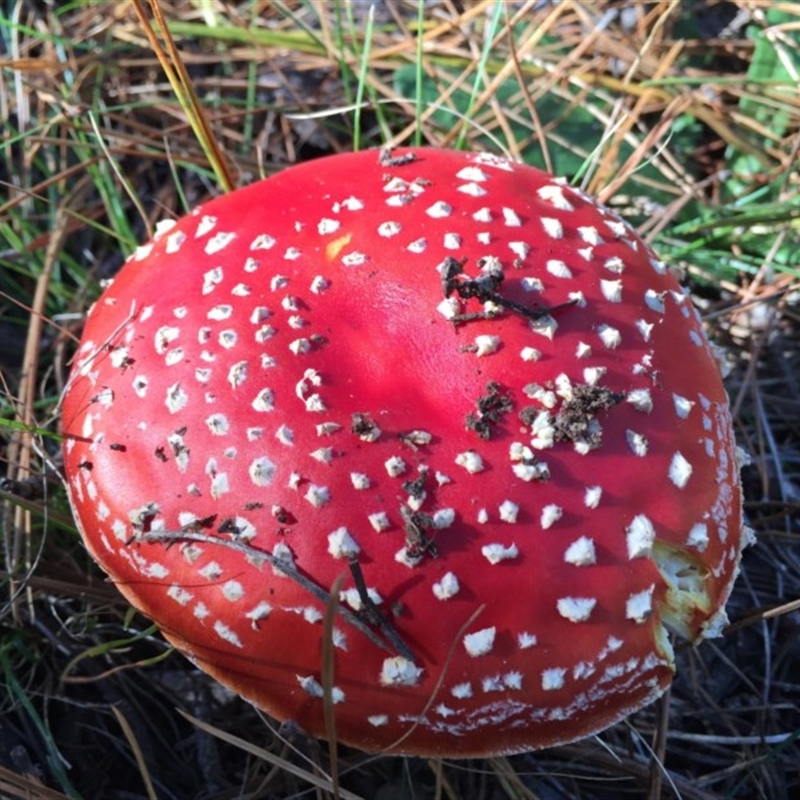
(257, 556)
(373, 615)
(484, 288)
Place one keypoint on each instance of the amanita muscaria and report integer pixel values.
(449, 379)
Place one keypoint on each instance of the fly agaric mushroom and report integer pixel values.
(449, 384)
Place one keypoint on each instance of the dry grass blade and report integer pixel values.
(325, 784)
(328, 677)
(141, 761)
(172, 64)
(659, 746)
(21, 448)
(25, 787)
(440, 679)
(510, 780)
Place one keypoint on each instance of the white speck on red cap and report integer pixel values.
(206, 225)
(354, 599)
(318, 496)
(352, 203)
(645, 329)
(177, 399)
(324, 455)
(443, 518)
(379, 521)
(327, 226)
(140, 384)
(472, 188)
(389, 229)
(284, 555)
(552, 227)
(496, 553)
(639, 606)
(446, 587)
(654, 301)
(554, 194)
(532, 284)
(359, 480)
(399, 671)
(439, 210)
(319, 284)
(641, 400)
(640, 536)
(310, 685)
(480, 642)
(262, 471)
(315, 404)
(553, 678)
(470, 460)
(341, 544)
(180, 595)
(285, 435)
(520, 249)
(449, 307)
(581, 552)
(576, 609)
(232, 590)
(462, 691)
(218, 424)
(164, 336)
(590, 235)
(592, 375)
(680, 470)
(486, 344)
(551, 513)
(262, 242)
(637, 443)
(698, 537)
(544, 325)
(530, 354)
(395, 466)
(227, 634)
(508, 511)
(558, 269)
(609, 336)
(354, 259)
(472, 173)
(612, 290)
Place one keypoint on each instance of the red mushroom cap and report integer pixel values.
(453, 380)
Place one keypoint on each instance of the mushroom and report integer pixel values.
(446, 386)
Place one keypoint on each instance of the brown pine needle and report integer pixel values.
(173, 65)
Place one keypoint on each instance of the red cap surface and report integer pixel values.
(447, 377)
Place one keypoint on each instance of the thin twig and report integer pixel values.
(374, 615)
(288, 569)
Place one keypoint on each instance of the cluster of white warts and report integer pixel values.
(263, 471)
